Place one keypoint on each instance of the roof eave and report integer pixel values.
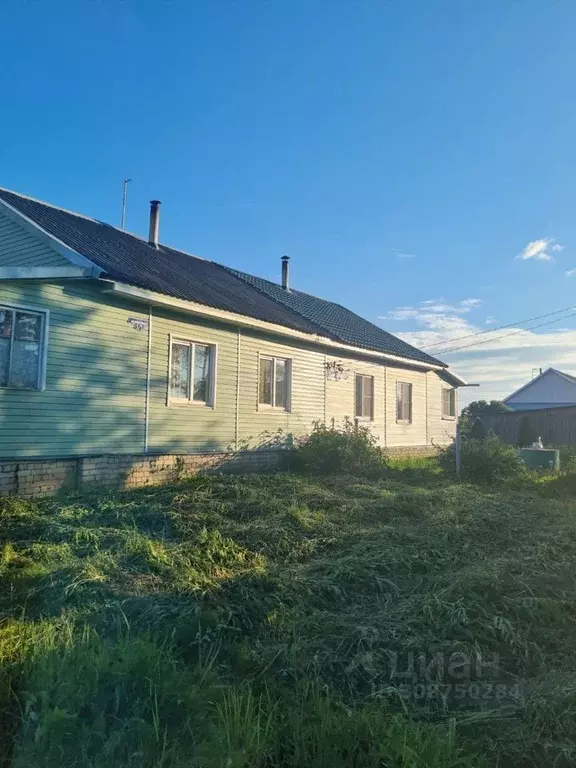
(203, 310)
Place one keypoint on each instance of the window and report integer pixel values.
(364, 397)
(448, 403)
(192, 372)
(403, 402)
(274, 382)
(22, 341)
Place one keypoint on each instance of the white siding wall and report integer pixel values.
(414, 433)
(341, 395)
(441, 430)
(550, 389)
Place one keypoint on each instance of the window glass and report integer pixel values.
(20, 348)
(368, 396)
(281, 384)
(359, 395)
(180, 373)
(201, 372)
(6, 316)
(403, 401)
(24, 364)
(364, 396)
(448, 402)
(265, 385)
(4, 360)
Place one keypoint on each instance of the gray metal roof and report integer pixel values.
(126, 258)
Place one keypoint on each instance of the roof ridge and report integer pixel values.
(253, 281)
(98, 221)
(236, 272)
(59, 208)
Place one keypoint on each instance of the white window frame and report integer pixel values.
(171, 401)
(287, 408)
(364, 417)
(43, 354)
(410, 419)
(449, 416)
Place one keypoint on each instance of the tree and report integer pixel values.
(478, 430)
(526, 432)
(483, 407)
(478, 408)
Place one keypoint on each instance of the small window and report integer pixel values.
(22, 340)
(448, 403)
(364, 396)
(192, 372)
(274, 382)
(403, 402)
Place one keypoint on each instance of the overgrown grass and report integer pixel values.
(271, 621)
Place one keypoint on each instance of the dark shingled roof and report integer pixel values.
(129, 259)
(337, 321)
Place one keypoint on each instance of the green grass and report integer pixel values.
(256, 622)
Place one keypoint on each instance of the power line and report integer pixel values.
(498, 328)
(506, 335)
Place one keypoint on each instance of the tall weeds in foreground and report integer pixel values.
(253, 622)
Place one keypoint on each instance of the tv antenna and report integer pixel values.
(124, 191)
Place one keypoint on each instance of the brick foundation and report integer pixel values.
(46, 477)
(412, 451)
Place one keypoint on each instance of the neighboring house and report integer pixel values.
(550, 389)
(113, 344)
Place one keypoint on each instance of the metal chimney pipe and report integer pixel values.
(285, 272)
(154, 223)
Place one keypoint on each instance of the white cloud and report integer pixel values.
(539, 249)
(570, 272)
(504, 360)
(490, 320)
(403, 254)
(430, 311)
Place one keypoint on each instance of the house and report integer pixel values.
(549, 389)
(114, 344)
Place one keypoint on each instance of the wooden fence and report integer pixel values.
(556, 426)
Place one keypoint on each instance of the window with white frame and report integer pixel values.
(274, 382)
(403, 402)
(192, 372)
(22, 346)
(364, 396)
(448, 403)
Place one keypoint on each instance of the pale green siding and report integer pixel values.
(19, 248)
(95, 396)
(256, 424)
(192, 426)
(95, 376)
(341, 393)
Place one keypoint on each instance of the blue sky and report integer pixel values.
(404, 153)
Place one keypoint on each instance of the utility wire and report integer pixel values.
(506, 335)
(498, 328)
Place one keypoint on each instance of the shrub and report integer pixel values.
(526, 432)
(478, 431)
(485, 461)
(348, 449)
(567, 458)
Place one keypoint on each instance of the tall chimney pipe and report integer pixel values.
(285, 272)
(154, 222)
